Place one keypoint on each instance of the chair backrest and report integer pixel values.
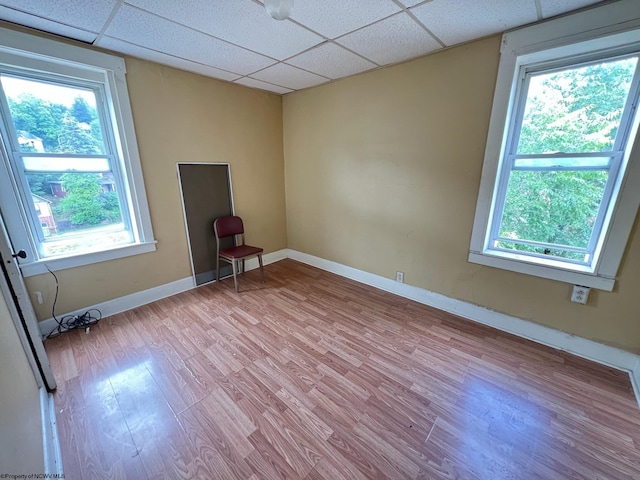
(228, 226)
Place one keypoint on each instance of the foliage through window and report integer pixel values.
(71, 185)
(560, 185)
(564, 155)
(63, 148)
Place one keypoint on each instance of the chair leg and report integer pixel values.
(217, 269)
(243, 269)
(235, 274)
(261, 267)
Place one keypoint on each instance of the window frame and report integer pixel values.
(106, 73)
(610, 27)
(17, 156)
(615, 155)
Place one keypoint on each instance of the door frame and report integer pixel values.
(184, 211)
(50, 439)
(22, 313)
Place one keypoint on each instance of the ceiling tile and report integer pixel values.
(457, 21)
(331, 61)
(230, 40)
(147, 30)
(288, 76)
(333, 18)
(253, 83)
(128, 49)
(242, 22)
(84, 14)
(551, 8)
(410, 3)
(20, 18)
(392, 40)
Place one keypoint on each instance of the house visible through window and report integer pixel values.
(68, 162)
(73, 192)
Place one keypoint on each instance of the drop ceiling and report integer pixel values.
(237, 41)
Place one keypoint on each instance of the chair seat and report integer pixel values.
(240, 251)
(231, 226)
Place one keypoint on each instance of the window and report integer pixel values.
(70, 156)
(566, 147)
(559, 153)
(59, 141)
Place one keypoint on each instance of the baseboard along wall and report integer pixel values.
(594, 351)
(137, 299)
(582, 347)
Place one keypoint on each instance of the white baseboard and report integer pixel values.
(50, 438)
(634, 374)
(267, 258)
(597, 352)
(121, 304)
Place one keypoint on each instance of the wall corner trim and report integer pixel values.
(582, 347)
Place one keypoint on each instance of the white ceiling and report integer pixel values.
(237, 41)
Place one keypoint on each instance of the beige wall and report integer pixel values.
(20, 419)
(382, 174)
(180, 116)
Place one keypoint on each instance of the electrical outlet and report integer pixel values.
(39, 297)
(400, 277)
(580, 294)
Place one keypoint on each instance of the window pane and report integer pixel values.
(556, 207)
(52, 118)
(577, 109)
(551, 252)
(584, 162)
(60, 164)
(77, 212)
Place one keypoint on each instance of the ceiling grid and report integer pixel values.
(238, 41)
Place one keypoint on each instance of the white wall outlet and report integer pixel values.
(580, 294)
(400, 277)
(39, 297)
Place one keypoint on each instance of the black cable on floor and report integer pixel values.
(70, 322)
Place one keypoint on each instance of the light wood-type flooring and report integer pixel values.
(313, 376)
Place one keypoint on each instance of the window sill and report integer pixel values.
(578, 276)
(62, 263)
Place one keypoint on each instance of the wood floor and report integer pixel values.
(312, 376)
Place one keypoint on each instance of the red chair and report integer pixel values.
(230, 227)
